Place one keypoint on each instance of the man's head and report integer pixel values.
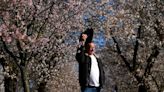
(90, 48)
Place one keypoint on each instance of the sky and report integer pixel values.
(99, 38)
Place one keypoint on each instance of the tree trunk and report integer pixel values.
(25, 81)
(42, 87)
(10, 84)
(142, 88)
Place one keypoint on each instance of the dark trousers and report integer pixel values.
(90, 89)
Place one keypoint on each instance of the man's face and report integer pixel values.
(91, 48)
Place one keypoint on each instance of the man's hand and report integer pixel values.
(84, 37)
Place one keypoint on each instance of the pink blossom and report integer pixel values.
(13, 27)
(32, 40)
(30, 3)
(0, 33)
(3, 28)
(24, 36)
(18, 34)
(44, 40)
(18, 16)
(6, 16)
(14, 1)
(22, 1)
(8, 39)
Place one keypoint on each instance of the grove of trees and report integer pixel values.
(38, 40)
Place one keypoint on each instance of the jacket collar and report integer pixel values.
(93, 54)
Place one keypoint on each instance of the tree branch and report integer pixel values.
(136, 48)
(52, 4)
(65, 20)
(9, 52)
(120, 53)
(3, 63)
(154, 54)
(156, 83)
(46, 19)
(22, 55)
(158, 29)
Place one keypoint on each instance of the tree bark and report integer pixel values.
(25, 81)
(10, 84)
(42, 87)
(142, 88)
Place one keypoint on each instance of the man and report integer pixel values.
(91, 74)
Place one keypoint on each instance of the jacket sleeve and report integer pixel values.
(80, 54)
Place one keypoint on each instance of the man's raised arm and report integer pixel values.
(81, 49)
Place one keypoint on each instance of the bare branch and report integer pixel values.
(154, 54)
(120, 53)
(9, 52)
(52, 4)
(156, 83)
(21, 53)
(158, 30)
(45, 20)
(66, 19)
(136, 48)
